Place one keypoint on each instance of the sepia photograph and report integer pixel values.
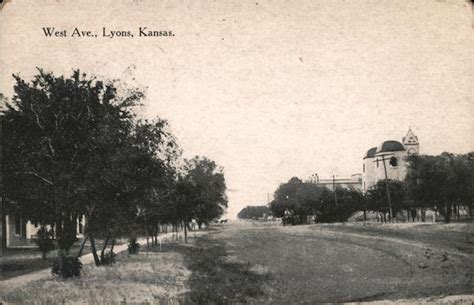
(237, 152)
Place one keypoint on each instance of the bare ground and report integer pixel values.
(354, 262)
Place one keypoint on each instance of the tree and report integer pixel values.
(348, 202)
(44, 240)
(305, 199)
(201, 191)
(253, 212)
(377, 197)
(285, 197)
(65, 143)
(441, 182)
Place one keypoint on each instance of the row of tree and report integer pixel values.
(442, 184)
(254, 212)
(74, 146)
(301, 201)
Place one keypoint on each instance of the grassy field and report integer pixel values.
(216, 278)
(261, 263)
(269, 264)
(18, 261)
(145, 278)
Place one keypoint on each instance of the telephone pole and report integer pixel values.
(386, 186)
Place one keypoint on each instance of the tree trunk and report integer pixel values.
(82, 246)
(185, 233)
(447, 216)
(112, 246)
(61, 255)
(94, 251)
(157, 233)
(102, 253)
(4, 230)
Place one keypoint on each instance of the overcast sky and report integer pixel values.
(270, 89)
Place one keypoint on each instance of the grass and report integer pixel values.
(202, 272)
(145, 278)
(218, 278)
(18, 261)
(273, 265)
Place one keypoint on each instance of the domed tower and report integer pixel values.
(392, 153)
(410, 141)
(368, 169)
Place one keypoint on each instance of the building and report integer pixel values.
(354, 182)
(18, 232)
(388, 160)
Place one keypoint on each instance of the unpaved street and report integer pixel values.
(352, 262)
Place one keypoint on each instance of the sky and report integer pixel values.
(269, 89)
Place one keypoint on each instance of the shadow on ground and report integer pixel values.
(218, 278)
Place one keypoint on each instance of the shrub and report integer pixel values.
(67, 266)
(108, 258)
(133, 246)
(44, 241)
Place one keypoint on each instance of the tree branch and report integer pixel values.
(40, 177)
(37, 117)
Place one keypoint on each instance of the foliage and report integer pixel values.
(65, 138)
(201, 191)
(67, 266)
(441, 182)
(44, 240)
(109, 258)
(133, 246)
(253, 212)
(378, 200)
(74, 147)
(297, 202)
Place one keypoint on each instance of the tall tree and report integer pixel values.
(64, 138)
(202, 191)
(441, 182)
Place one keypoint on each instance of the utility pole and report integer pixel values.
(335, 195)
(386, 186)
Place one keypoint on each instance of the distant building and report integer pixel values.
(389, 156)
(354, 182)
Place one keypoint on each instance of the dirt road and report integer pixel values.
(353, 262)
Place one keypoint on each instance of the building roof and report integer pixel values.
(410, 138)
(371, 153)
(390, 146)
